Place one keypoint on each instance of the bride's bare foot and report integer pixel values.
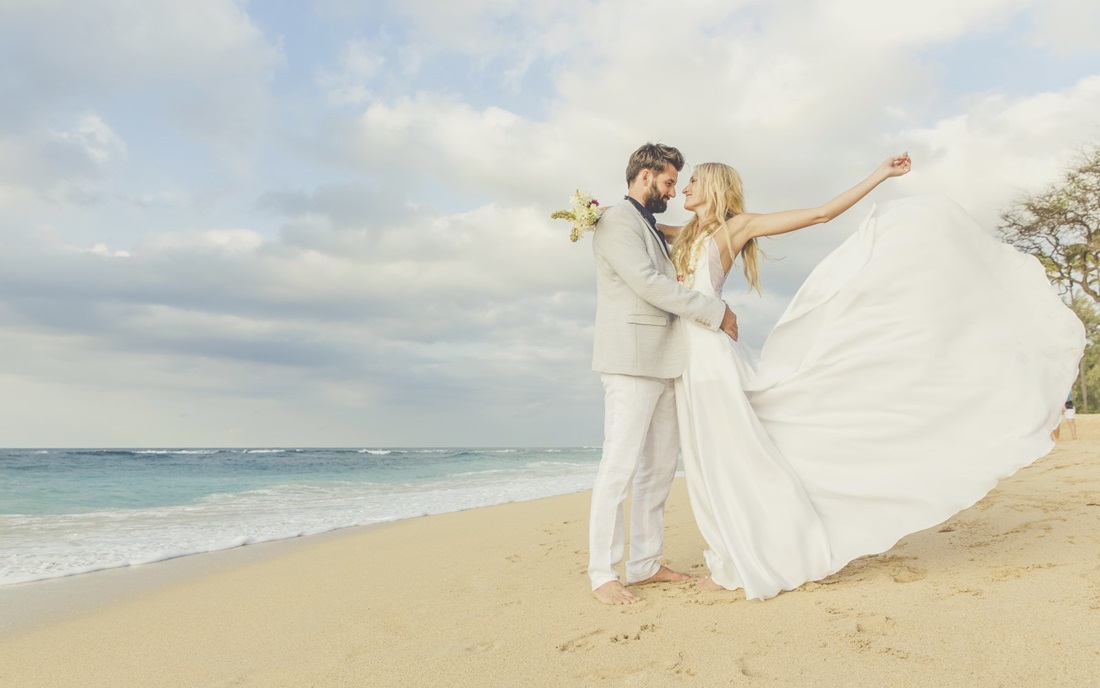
(613, 592)
(708, 585)
(665, 575)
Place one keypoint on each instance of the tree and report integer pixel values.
(1089, 379)
(1061, 227)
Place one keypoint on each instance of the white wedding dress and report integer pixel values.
(921, 362)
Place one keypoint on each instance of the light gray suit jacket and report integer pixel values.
(638, 299)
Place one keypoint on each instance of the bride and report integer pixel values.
(920, 363)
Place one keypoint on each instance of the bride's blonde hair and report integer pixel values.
(720, 187)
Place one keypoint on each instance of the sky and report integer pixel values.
(326, 223)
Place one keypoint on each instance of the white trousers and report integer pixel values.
(641, 441)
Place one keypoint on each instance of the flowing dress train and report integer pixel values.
(921, 362)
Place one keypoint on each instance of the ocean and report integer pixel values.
(69, 511)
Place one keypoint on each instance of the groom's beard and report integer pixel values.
(655, 201)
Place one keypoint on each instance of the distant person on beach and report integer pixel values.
(639, 351)
(1069, 413)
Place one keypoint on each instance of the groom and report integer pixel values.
(639, 351)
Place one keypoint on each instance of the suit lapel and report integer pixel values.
(660, 239)
(652, 230)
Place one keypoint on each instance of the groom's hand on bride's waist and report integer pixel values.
(729, 324)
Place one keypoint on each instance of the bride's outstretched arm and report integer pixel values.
(751, 225)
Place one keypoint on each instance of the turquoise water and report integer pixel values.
(69, 511)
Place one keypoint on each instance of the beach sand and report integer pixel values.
(1006, 593)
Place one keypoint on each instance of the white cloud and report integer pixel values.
(66, 166)
(871, 24)
(119, 43)
(489, 150)
(358, 65)
(249, 324)
(392, 276)
(472, 26)
(169, 198)
(1068, 27)
(1002, 147)
(95, 139)
(204, 63)
(102, 250)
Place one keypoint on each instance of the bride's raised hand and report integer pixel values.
(752, 225)
(896, 165)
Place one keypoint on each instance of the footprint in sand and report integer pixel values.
(746, 665)
(679, 668)
(908, 574)
(1093, 579)
(871, 632)
(876, 625)
(1014, 572)
(580, 643)
(893, 566)
(622, 638)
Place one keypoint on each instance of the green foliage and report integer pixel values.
(1061, 227)
(1086, 391)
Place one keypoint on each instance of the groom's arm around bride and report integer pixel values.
(637, 286)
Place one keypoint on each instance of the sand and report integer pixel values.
(1006, 593)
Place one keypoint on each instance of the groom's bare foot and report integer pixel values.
(613, 592)
(665, 575)
(708, 585)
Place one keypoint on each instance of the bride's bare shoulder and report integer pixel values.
(736, 229)
(738, 222)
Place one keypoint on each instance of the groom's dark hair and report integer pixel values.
(655, 157)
